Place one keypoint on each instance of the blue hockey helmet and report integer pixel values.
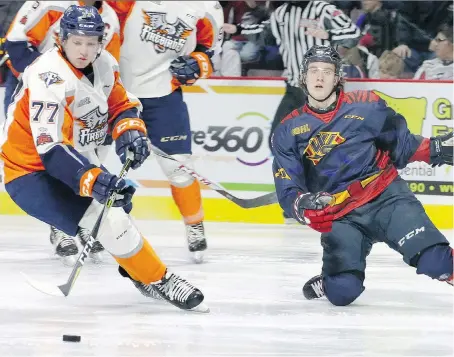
(81, 20)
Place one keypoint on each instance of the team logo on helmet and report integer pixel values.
(94, 127)
(50, 78)
(164, 35)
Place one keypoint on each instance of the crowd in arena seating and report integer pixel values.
(408, 39)
(399, 39)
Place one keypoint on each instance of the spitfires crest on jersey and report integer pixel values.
(164, 35)
(322, 144)
(94, 127)
(50, 78)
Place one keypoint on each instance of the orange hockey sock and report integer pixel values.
(145, 265)
(189, 202)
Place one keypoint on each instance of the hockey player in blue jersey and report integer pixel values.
(335, 170)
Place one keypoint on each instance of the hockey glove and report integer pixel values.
(99, 184)
(187, 69)
(312, 209)
(441, 148)
(131, 134)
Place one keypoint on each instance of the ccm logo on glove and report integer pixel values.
(88, 180)
(128, 124)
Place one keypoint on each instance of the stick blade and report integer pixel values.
(43, 287)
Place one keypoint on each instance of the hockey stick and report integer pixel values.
(65, 289)
(264, 200)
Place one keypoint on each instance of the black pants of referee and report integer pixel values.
(293, 98)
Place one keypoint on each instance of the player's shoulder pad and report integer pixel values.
(292, 115)
(282, 136)
(106, 59)
(360, 96)
(113, 20)
(48, 74)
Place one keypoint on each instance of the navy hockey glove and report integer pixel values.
(441, 148)
(187, 69)
(131, 134)
(313, 210)
(99, 184)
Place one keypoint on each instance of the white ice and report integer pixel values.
(252, 281)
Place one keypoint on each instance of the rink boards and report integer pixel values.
(230, 121)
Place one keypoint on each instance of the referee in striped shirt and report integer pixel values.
(297, 26)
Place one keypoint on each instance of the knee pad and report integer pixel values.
(436, 262)
(342, 289)
(176, 177)
(117, 233)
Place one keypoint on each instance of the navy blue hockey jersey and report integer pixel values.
(351, 152)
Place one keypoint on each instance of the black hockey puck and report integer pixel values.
(71, 338)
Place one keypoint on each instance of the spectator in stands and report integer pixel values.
(417, 26)
(440, 67)
(359, 62)
(390, 65)
(238, 48)
(379, 26)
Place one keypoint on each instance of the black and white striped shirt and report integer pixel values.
(289, 23)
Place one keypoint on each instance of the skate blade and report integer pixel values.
(97, 258)
(197, 257)
(201, 308)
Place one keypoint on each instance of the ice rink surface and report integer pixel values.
(252, 282)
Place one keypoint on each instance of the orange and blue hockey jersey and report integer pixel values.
(352, 152)
(155, 33)
(59, 117)
(36, 27)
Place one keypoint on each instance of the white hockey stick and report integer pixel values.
(264, 200)
(65, 289)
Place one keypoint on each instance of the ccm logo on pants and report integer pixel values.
(173, 138)
(410, 235)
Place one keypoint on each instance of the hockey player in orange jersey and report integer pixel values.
(34, 31)
(167, 44)
(66, 103)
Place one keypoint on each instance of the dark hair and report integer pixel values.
(446, 29)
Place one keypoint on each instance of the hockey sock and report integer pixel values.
(437, 263)
(143, 265)
(189, 202)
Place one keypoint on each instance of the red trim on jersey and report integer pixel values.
(326, 117)
(359, 195)
(423, 152)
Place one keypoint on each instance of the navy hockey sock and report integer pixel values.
(436, 262)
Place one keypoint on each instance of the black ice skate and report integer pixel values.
(65, 246)
(145, 289)
(313, 289)
(97, 249)
(197, 242)
(180, 293)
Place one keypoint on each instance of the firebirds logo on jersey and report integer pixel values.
(50, 78)
(164, 35)
(322, 144)
(94, 127)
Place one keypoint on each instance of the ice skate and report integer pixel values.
(145, 289)
(97, 249)
(180, 293)
(197, 242)
(65, 246)
(313, 289)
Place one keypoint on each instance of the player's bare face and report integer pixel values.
(320, 79)
(81, 50)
